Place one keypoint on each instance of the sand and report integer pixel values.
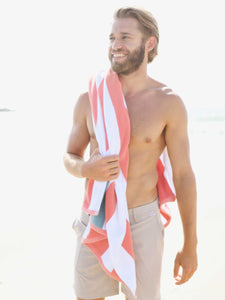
(39, 202)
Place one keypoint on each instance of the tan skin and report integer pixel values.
(158, 118)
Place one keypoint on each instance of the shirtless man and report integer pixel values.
(158, 118)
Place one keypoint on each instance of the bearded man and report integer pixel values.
(158, 120)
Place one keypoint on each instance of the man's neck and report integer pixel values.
(134, 82)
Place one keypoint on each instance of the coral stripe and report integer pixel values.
(98, 247)
(164, 190)
(115, 91)
(87, 199)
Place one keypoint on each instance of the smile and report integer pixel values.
(118, 56)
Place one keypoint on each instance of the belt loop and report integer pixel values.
(134, 215)
(131, 215)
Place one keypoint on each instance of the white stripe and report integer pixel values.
(116, 230)
(116, 226)
(99, 79)
(97, 195)
(86, 232)
(106, 259)
(99, 130)
(168, 173)
(125, 268)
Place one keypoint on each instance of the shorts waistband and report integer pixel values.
(138, 212)
(134, 213)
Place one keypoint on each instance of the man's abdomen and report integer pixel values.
(142, 189)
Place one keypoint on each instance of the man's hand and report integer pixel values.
(101, 168)
(185, 265)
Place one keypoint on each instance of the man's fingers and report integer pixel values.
(112, 166)
(114, 173)
(176, 268)
(114, 170)
(113, 176)
(184, 267)
(186, 275)
(111, 158)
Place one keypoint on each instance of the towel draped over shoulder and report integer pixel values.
(108, 233)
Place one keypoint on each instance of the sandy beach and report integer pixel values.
(39, 202)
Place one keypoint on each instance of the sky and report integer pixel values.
(49, 49)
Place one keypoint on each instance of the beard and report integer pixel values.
(132, 62)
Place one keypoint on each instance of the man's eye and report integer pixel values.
(125, 37)
(111, 38)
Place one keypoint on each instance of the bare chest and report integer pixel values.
(147, 121)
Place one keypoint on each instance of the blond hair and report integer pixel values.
(147, 25)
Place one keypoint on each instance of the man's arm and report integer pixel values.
(184, 180)
(79, 138)
(97, 167)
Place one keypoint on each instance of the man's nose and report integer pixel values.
(116, 44)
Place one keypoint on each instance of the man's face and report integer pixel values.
(127, 46)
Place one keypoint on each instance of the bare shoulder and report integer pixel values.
(167, 96)
(82, 107)
(173, 105)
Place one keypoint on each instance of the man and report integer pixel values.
(157, 119)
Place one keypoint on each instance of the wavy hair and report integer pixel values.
(147, 25)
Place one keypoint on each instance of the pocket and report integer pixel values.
(78, 227)
(144, 217)
(161, 222)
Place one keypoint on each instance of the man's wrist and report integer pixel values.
(191, 244)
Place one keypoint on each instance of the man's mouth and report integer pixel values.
(118, 56)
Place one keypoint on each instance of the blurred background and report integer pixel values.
(49, 49)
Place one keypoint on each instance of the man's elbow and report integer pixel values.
(186, 176)
(73, 164)
(66, 161)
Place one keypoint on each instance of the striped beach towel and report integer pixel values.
(108, 233)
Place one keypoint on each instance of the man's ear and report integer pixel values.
(150, 43)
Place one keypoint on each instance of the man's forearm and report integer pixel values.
(73, 164)
(186, 198)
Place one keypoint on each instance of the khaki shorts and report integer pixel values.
(91, 281)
